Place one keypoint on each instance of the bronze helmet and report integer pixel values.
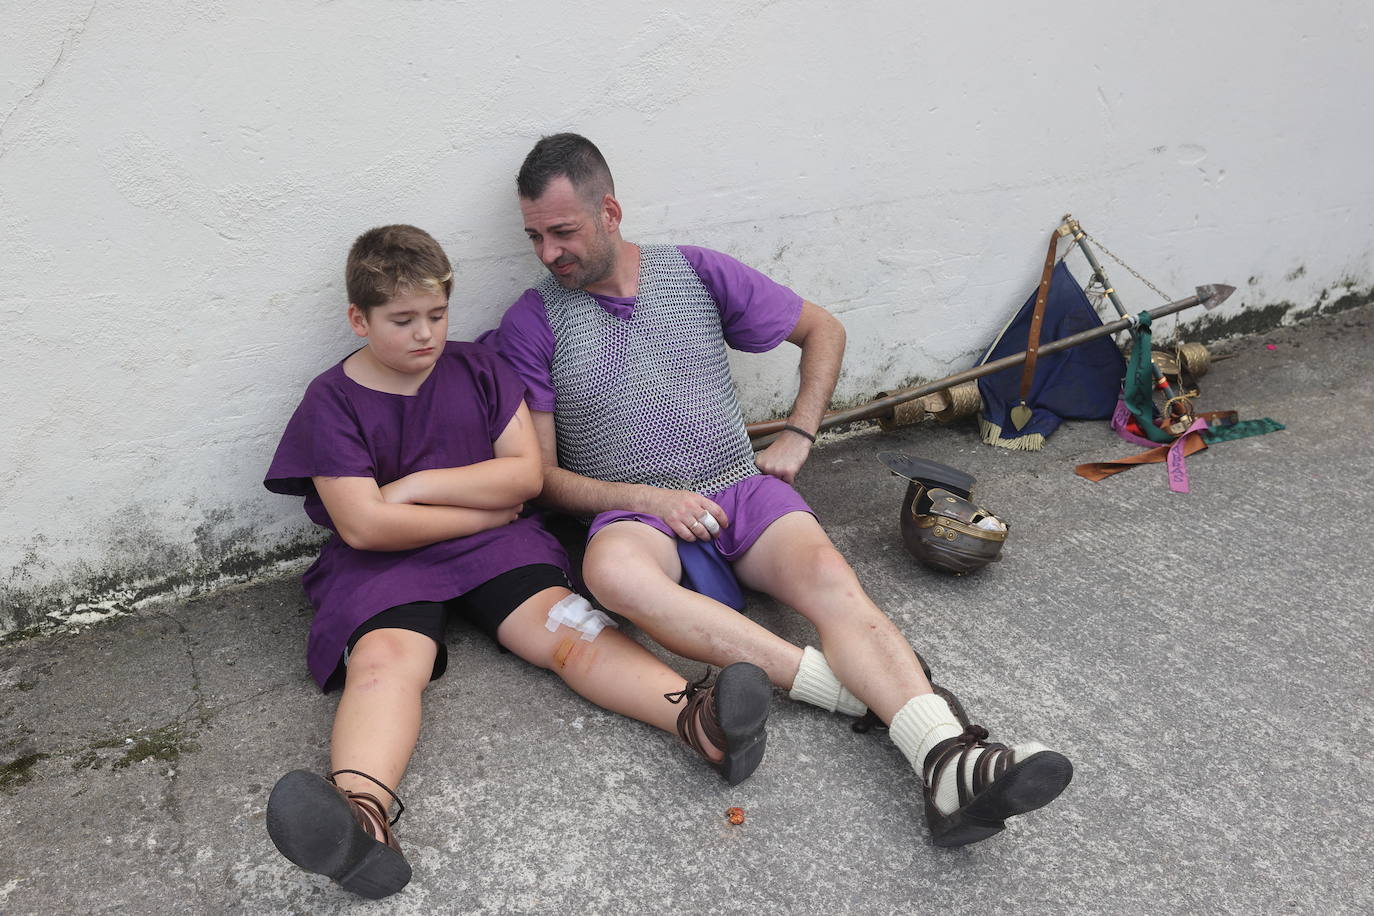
(941, 527)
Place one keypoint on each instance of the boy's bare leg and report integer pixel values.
(795, 562)
(378, 720)
(633, 569)
(611, 670)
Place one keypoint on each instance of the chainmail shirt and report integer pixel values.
(649, 399)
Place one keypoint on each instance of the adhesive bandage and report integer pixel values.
(577, 613)
(708, 521)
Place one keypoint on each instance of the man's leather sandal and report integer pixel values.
(333, 832)
(1000, 788)
(732, 714)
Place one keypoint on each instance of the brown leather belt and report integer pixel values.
(1021, 413)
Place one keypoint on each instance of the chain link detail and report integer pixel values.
(1107, 251)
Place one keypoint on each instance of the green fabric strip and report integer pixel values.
(1241, 430)
(1139, 385)
(1138, 388)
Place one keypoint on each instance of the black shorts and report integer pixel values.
(486, 607)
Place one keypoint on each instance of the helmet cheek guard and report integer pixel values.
(941, 527)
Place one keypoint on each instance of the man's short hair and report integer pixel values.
(569, 156)
(391, 260)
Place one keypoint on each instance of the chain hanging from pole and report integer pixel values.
(1093, 289)
(1133, 272)
(1095, 292)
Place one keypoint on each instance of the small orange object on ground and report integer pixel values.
(734, 815)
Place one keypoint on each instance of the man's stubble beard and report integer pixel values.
(599, 265)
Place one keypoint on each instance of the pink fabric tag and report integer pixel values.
(1178, 471)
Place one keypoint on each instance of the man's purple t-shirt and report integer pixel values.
(344, 429)
(756, 314)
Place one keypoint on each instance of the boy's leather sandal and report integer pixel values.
(334, 832)
(1001, 788)
(732, 714)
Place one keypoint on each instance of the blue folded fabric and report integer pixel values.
(1080, 383)
(708, 573)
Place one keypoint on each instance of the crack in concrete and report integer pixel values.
(186, 724)
(202, 712)
(176, 734)
(73, 33)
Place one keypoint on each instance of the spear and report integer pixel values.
(1209, 297)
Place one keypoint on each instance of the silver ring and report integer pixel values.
(708, 521)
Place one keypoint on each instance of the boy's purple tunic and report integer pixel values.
(344, 429)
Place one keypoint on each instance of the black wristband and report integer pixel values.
(798, 430)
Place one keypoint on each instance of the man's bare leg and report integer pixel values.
(633, 569)
(795, 562)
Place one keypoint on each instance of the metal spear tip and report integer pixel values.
(1214, 294)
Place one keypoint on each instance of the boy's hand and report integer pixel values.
(495, 518)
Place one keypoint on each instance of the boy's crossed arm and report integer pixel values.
(430, 506)
(509, 479)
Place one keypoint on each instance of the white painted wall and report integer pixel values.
(179, 183)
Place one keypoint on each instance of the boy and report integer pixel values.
(418, 453)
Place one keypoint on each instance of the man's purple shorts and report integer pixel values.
(750, 505)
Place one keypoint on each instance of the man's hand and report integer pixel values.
(692, 516)
(820, 336)
(785, 457)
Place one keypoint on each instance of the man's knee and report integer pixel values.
(820, 566)
(622, 574)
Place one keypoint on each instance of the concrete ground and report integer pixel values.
(1204, 659)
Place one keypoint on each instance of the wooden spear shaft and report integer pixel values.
(1210, 296)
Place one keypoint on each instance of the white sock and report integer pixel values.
(816, 684)
(924, 722)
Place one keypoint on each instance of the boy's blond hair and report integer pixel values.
(395, 259)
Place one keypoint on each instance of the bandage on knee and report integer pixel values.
(577, 613)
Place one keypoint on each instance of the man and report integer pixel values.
(623, 349)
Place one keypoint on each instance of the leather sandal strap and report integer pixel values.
(688, 690)
(939, 758)
(400, 805)
(992, 764)
(978, 763)
(370, 813)
(959, 753)
(962, 781)
(700, 710)
(687, 718)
